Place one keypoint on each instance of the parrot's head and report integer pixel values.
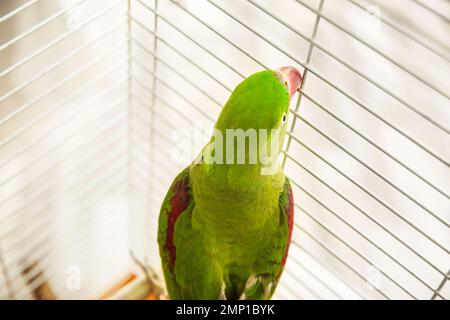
(261, 102)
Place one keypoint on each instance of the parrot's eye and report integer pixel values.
(286, 83)
(283, 119)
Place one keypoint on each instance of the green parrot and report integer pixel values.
(225, 225)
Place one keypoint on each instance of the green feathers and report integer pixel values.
(258, 103)
(224, 228)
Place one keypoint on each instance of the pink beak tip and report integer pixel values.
(294, 78)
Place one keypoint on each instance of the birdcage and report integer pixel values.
(103, 102)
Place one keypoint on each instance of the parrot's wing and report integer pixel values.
(287, 208)
(271, 263)
(178, 200)
(189, 268)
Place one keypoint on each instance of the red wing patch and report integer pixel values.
(290, 220)
(179, 203)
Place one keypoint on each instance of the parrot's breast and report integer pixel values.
(236, 221)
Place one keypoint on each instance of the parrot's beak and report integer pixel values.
(293, 78)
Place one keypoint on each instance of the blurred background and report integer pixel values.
(103, 102)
